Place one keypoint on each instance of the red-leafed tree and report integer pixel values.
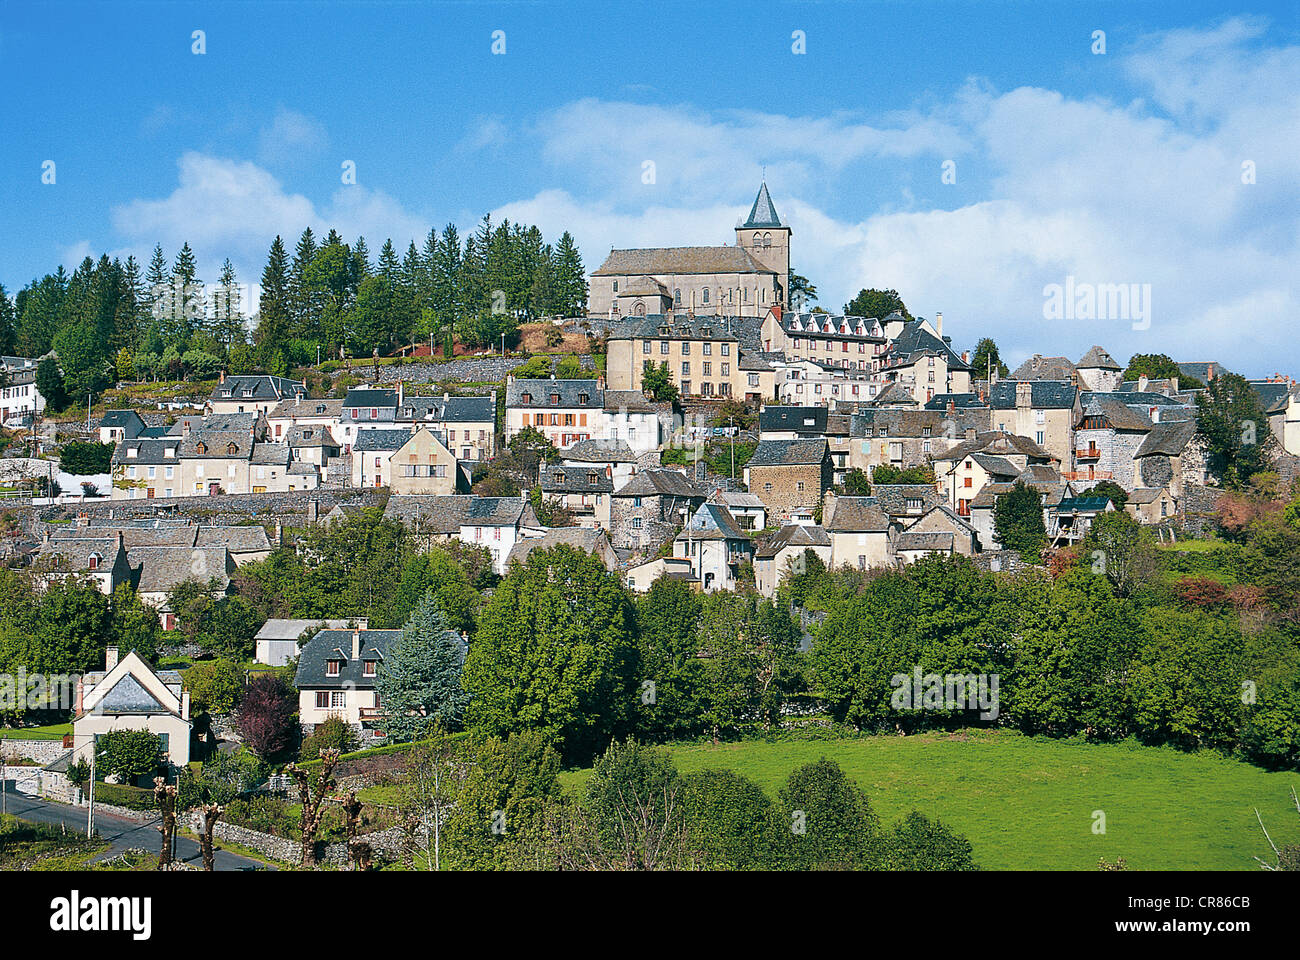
(1202, 591)
(265, 719)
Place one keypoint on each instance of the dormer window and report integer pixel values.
(93, 563)
(231, 449)
(592, 478)
(555, 399)
(170, 452)
(526, 398)
(333, 667)
(559, 476)
(201, 449)
(132, 452)
(368, 669)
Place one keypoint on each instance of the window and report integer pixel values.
(767, 488)
(686, 348)
(368, 670)
(231, 449)
(322, 699)
(1038, 437)
(706, 295)
(374, 413)
(686, 368)
(525, 398)
(707, 348)
(636, 501)
(555, 399)
(338, 699)
(201, 449)
(726, 369)
(799, 486)
(583, 399)
(663, 346)
(708, 369)
(677, 299)
(636, 523)
(332, 667)
(726, 349)
(645, 346)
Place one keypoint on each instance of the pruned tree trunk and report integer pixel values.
(211, 814)
(311, 794)
(164, 795)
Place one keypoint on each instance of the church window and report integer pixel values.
(677, 297)
(767, 240)
(616, 286)
(706, 294)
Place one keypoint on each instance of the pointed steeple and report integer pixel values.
(762, 214)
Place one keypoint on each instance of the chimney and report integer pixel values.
(356, 644)
(600, 382)
(447, 396)
(110, 658)
(363, 623)
(1155, 414)
(222, 378)
(1024, 395)
(185, 704)
(121, 541)
(313, 510)
(1142, 383)
(297, 399)
(952, 406)
(965, 356)
(279, 534)
(401, 393)
(1209, 371)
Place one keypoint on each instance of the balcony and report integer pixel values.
(1089, 474)
(1092, 453)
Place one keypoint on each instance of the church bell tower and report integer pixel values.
(765, 238)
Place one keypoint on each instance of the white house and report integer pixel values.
(131, 695)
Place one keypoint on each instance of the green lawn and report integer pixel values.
(54, 731)
(1027, 803)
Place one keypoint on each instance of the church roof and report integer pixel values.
(762, 213)
(665, 261)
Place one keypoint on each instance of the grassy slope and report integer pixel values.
(1027, 803)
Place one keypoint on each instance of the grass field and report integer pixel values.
(55, 731)
(1027, 803)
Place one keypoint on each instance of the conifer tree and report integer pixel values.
(419, 679)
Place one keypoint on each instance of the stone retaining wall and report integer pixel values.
(42, 751)
(232, 508)
(384, 844)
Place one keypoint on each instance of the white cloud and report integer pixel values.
(291, 138)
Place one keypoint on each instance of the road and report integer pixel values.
(120, 832)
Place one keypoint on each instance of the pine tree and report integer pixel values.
(274, 317)
(388, 262)
(157, 284)
(8, 324)
(227, 313)
(303, 306)
(419, 679)
(191, 308)
(361, 259)
(570, 278)
(134, 314)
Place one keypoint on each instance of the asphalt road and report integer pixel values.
(121, 833)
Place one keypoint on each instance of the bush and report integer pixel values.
(130, 753)
(266, 717)
(334, 734)
(215, 686)
(82, 459)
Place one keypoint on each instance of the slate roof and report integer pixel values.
(1168, 437)
(447, 514)
(892, 497)
(569, 393)
(586, 539)
(857, 515)
(644, 287)
(599, 451)
(263, 386)
(163, 568)
(713, 521)
(242, 422)
(996, 466)
(1082, 504)
(911, 424)
(288, 409)
(664, 261)
(139, 536)
(1145, 495)
(270, 455)
(449, 409)
(217, 445)
(1113, 407)
(1044, 394)
(370, 441)
(915, 341)
(75, 553)
(241, 539)
(998, 444)
(310, 435)
(660, 483)
(122, 419)
(337, 645)
(738, 500)
(1039, 367)
(959, 401)
(895, 394)
(799, 419)
(128, 696)
(785, 453)
(763, 212)
(370, 397)
(793, 535)
(1099, 359)
(1200, 370)
(914, 540)
(148, 450)
(633, 401)
(561, 479)
(1272, 394)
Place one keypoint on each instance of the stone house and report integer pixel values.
(159, 570)
(98, 559)
(749, 512)
(648, 509)
(921, 359)
(992, 457)
(629, 419)
(372, 455)
(336, 677)
(584, 490)
(564, 411)
(422, 465)
(905, 438)
(216, 461)
(640, 576)
(716, 547)
(324, 415)
(258, 393)
(1151, 504)
(1043, 410)
(312, 443)
(586, 539)
(859, 532)
(790, 474)
(701, 354)
(118, 425)
(613, 457)
(129, 694)
(467, 423)
(1098, 371)
(784, 551)
(145, 468)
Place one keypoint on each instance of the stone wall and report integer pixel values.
(289, 507)
(784, 480)
(384, 844)
(42, 751)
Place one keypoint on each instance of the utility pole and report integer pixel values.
(4, 786)
(90, 816)
(732, 421)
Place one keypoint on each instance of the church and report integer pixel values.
(747, 279)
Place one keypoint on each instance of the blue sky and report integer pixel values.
(1124, 167)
